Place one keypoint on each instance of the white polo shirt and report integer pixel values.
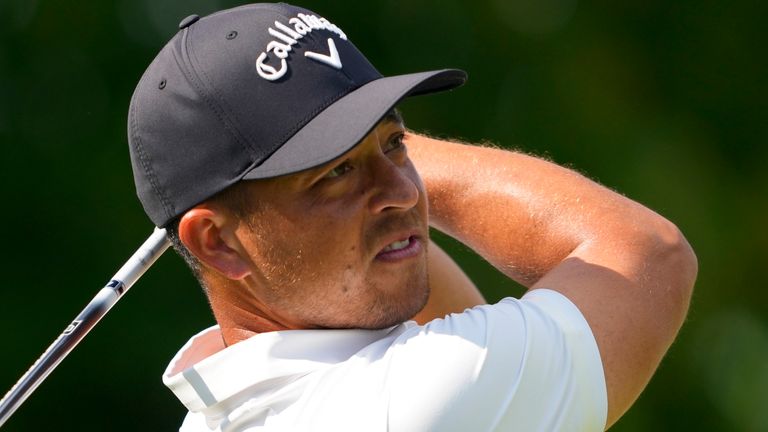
(519, 365)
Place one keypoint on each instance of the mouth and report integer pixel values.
(401, 249)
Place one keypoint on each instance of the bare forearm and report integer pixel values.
(524, 214)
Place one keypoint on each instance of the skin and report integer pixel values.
(450, 290)
(628, 270)
(311, 253)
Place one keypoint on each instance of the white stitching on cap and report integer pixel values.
(332, 59)
(284, 45)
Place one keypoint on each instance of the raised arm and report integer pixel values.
(628, 270)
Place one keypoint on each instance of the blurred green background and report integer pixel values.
(666, 102)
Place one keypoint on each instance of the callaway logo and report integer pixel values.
(302, 24)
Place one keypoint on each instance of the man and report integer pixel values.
(269, 147)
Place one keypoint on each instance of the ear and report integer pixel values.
(204, 232)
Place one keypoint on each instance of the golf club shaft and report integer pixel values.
(129, 273)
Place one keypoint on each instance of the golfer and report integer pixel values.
(273, 153)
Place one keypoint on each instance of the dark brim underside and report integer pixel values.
(347, 121)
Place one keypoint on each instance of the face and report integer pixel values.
(342, 245)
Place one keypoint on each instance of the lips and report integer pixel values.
(401, 249)
(398, 245)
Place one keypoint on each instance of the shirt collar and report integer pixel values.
(205, 373)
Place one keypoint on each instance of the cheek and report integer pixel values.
(314, 251)
(337, 244)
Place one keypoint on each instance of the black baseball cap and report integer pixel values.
(254, 92)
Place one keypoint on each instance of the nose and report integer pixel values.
(393, 187)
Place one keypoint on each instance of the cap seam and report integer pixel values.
(293, 131)
(224, 113)
(270, 6)
(344, 70)
(215, 106)
(146, 165)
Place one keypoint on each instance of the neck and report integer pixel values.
(240, 314)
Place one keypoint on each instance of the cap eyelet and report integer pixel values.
(231, 35)
(162, 84)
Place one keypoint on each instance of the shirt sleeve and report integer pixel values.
(524, 365)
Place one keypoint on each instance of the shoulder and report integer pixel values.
(528, 360)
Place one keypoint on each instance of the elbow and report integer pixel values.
(676, 265)
(690, 264)
(681, 257)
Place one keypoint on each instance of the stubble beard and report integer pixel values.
(374, 307)
(386, 312)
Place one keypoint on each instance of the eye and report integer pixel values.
(339, 170)
(395, 143)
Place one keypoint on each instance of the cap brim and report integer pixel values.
(347, 121)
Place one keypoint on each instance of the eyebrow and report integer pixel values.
(393, 116)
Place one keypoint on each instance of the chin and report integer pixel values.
(370, 307)
(387, 311)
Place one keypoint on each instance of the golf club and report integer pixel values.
(128, 274)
